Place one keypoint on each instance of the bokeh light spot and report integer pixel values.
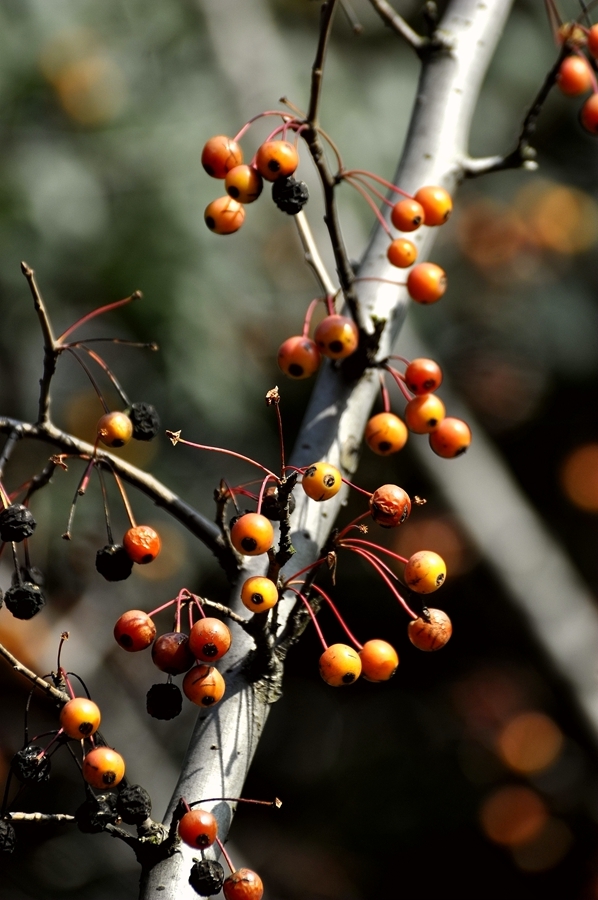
(579, 477)
(530, 742)
(513, 815)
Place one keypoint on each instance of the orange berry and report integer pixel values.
(339, 665)
(142, 544)
(203, 685)
(425, 572)
(80, 717)
(402, 253)
(593, 40)
(244, 884)
(220, 155)
(171, 653)
(574, 76)
(337, 337)
(259, 594)
(588, 115)
(426, 282)
(321, 481)
(115, 429)
(379, 660)
(422, 376)
(432, 633)
(134, 630)
(299, 357)
(385, 433)
(407, 215)
(424, 413)
(437, 204)
(451, 438)
(390, 505)
(198, 828)
(244, 183)
(224, 215)
(103, 768)
(252, 534)
(276, 159)
(209, 639)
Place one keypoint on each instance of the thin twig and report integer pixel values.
(40, 817)
(399, 25)
(22, 669)
(317, 71)
(312, 255)
(11, 443)
(50, 351)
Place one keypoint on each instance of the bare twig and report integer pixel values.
(391, 18)
(50, 351)
(11, 442)
(40, 817)
(317, 71)
(311, 254)
(43, 685)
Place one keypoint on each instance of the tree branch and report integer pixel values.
(50, 351)
(317, 71)
(399, 25)
(43, 685)
(311, 254)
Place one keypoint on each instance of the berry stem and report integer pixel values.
(352, 524)
(105, 504)
(384, 565)
(368, 199)
(4, 496)
(94, 383)
(378, 566)
(342, 622)
(125, 499)
(361, 490)
(117, 385)
(226, 856)
(379, 179)
(261, 493)
(373, 190)
(176, 439)
(382, 280)
(312, 565)
(159, 609)
(97, 312)
(276, 802)
(308, 316)
(199, 606)
(305, 601)
(269, 112)
(384, 392)
(400, 382)
(379, 548)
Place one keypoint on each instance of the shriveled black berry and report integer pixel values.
(272, 508)
(164, 701)
(290, 195)
(27, 765)
(24, 600)
(96, 812)
(206, 877)
(114, 563)
(8, 837)
(134, 804)
(146, 421)
(16, 523)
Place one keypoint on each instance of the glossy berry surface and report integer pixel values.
(299, 357)
(142, 544)
(425, 572)
(426, 282)
(115, 429)
(436, 203)
(385, 433)
(588, 115)
(16, 523)
(244, 184)
(390, 505)
(244, 884)
(337, 337)
(276, 159)
(401, 253)
(340, 665)
(432, 634)
(424, 414)
(164, 701)
(252, 534)
(198, 828)
(221, 154)
(80, 717)
(134, 630)
(451, 438)
(379, 660)
(321, 481)
(407, 215)
(259, 594)
(171, 653)
(423, 376)
(209, 639)
(574, 76)
(103, 768)
(224, 215)
(203, 685)
(113, 562)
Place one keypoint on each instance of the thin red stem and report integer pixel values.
(179, 440)
(379, 179)
(98, 312)
(330, 304)
(378, 566)
(94, 383)
(361, 490)
(342, 622)
(382, 280)
(305, 601)
(308, 315)
(368, 199)
(261, 493)
(125, 500)
(400, 383)
(352, 524)
(270, 112)
(378, 547)
(350, 546)
(200, 607)
(103, 365)
(226, 856)
(159, 609)
(384, 392)
(312, 565)
(373, 191)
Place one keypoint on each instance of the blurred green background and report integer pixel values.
(388, 790)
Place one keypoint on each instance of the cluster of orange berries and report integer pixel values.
(102, 767)
(576, 75)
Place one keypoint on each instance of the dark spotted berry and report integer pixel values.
(16, 523)
(96, 812)
(28, 765)
(8, 837)
(133, 804)
(146, 421)
(290, 195)
(24, 600)
(206, 877)
(114, 563)
(164, 701)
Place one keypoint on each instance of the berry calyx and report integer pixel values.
(221, 154)
(115, 429)
(290, 195)
(80, 717)
(407, 215)
(321, 481)
(401, 253)
(244, 184)
(259, 594)
(198, 828)
(16, 523)
(276, 159)
(379, 660)
(146, 421)
(164, 701)
(103, 767)
(299, 357)
(134, 630)
(113, 562)
(423, 376)
(436, 203)
(171, 653)
(244, 884)
(203, 685)
(390, 505)
(142, 544)
(252, 534)
(209, 639)
(451, 438)
(426, 282)
(430, 632)
(224, 215)
(337, 337)
(385, 433)
(588, 115)
(574, 76)
(424, 413)
(340, 665)
(425, 572)
(206, 877)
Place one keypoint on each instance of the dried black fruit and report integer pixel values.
(24, 600)
(96, 812)
(164, 701)
(27, 764)
(272, 508)
(146, 421)
(206, 877)
(290, 195)
(114, 563)
(8, 837)
(133, 804)
(16, 523)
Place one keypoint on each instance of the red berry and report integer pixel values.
(588, 115)
(407, 215)
(142, 544)
(80, 717)
(385, 433)
(220, 155)
(198, 828)
(244, 184)
(276, 159)
(593, 40)
(401, 253)
(426, 282)
(134, 630)
(299, 357)
(115, 429)
(209, 639)
(437, 204)
(203, 685)
(340, 665)
(337, 337)
(390, 505)
(171, 653)
(244, 884)
(423, 414)
(574, 76)
(379, 660)
(252, 534)
(451, 438)
(423, 376)
(432, 632)
(103, 768)
(224, 215)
